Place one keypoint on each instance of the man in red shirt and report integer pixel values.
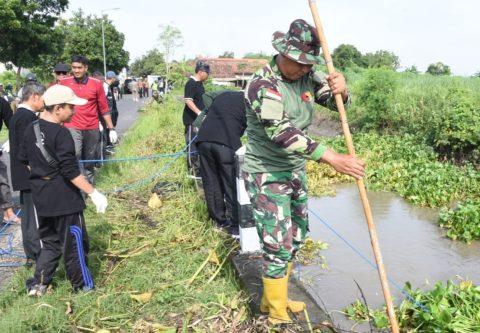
(84, 124)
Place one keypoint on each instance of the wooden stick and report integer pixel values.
(361, 186)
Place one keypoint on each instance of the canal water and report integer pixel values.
(414, 249)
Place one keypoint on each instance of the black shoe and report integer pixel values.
(29, 262)
(230, 228)
(37, 290)
(82, 289)
(225, 225)
(234, 231)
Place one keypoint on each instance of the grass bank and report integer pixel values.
(153, 268)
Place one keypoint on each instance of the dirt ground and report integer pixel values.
(324, 125)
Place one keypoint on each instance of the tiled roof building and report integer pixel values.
(231, 71)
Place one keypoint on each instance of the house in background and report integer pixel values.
(231, 71)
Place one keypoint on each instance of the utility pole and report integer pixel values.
(103, 40)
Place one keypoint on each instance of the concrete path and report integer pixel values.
(128, 115)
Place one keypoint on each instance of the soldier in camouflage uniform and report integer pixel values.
(280, 101)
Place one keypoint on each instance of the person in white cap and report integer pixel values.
(56, 182)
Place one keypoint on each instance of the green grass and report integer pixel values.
(443, 112)
(3, 135)
(136, 250)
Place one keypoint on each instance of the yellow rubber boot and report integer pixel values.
(274, 300)
(294, 306)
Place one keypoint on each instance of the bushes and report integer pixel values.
(455, 130)
(376, 94)
(8, 77)
(443, 112)
(403, 165)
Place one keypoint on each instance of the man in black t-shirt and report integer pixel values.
(217, 140)
(56, 183)
(193, 106)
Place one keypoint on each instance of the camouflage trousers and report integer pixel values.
(279, 201)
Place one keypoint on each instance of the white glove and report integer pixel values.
(6, 146)
(100, 127)
(113, 136)
(99, 200)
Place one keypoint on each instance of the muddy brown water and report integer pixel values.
(414, 249)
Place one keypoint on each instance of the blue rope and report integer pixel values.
(368, 261)
(132, 159)
(156, 174)
(145, 180)
(9, 250)
(139, 183)
(11, 264)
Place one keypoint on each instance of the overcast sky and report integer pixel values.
(418, 31)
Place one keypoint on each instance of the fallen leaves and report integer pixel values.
(155, 202)
(142, 298)
(69, 310)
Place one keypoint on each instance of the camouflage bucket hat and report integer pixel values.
(299, 44)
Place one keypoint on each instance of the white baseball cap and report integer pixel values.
(59, 94)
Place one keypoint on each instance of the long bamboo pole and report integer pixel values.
(361, 186)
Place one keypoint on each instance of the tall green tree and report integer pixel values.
(382, 59)
(179, 72)
(438, 68)
(412, 69)
(44, 69)
(148, 63)
(83, 35)
(346, 55)
(27, 31)
(170, 38)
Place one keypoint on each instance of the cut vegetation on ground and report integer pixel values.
(153, 268)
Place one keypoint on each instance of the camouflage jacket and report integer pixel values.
(278, 114)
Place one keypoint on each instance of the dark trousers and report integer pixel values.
(105, 134)
(218, 177)
(65, 235)
(30, 237)
(86, 143)
(5, 191)
(193, 162)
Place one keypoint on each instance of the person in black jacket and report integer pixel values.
(30, 104)
(6, 202)
(56, 181)
(217, 140)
